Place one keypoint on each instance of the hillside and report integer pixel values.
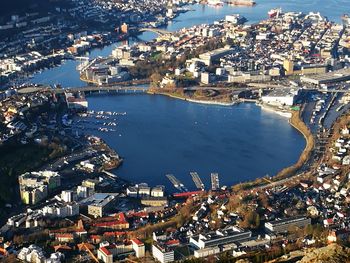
(10, 7)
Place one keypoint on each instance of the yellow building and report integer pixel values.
(288, 66)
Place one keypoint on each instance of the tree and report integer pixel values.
(155, 78)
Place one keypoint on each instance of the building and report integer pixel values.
(154, 201)
(105, 255)
(162, 253)
(124, 28)
(288, 66)
(157, 191)
(99, 203)
(31, 195)
(51, 179)
(32, 253)
(219, 238)
(64, 237)
(139, 247)
(119, 223)
(83, 191)
(61, 210)
(67, 196)
(34, 186)
(282, 225)
(329, 77)
(107, 252)
(76, 101)
(144, 190)
(90, 183)
(212, 56)
(281, 97)
(131, 191)
(205, 252)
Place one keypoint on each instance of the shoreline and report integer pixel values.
(297, 123)
(208, 102)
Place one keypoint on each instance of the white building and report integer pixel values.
(162, 253)
(131, 191)
(67, 196)
(205, 252)
(138, 247)
(31, 254)
(281, 97)
(157, 191)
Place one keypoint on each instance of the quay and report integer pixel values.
(197, 180)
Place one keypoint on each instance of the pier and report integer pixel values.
(176, 182)
(215, 184)
(197, 180)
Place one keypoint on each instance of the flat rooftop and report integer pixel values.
(331, 76)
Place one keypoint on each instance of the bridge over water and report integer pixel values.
(104, 89)
(158, 31)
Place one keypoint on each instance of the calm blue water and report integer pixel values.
(160, 135)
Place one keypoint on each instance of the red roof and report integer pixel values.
(138, 214)
(173, 242)
(105, 251)
(122, 218)
(110, 223)
(187, 194)
(66, 235)
(108, 234)
(137, 242)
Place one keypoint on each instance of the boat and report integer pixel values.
(236, 19)
(215, 2)
(274, 12)
(345, 19)
(242, 2)
(340, 107)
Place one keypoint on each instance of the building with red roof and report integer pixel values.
(139, 247)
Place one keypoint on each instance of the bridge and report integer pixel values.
(158, 31)
(104, 89)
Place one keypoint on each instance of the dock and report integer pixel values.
(215, 184)
(197, 180)
(176, 182)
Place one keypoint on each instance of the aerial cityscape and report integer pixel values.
(175, 131)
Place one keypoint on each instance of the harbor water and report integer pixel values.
(160, 135)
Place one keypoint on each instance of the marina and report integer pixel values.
(197, 180)
(215, 183)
